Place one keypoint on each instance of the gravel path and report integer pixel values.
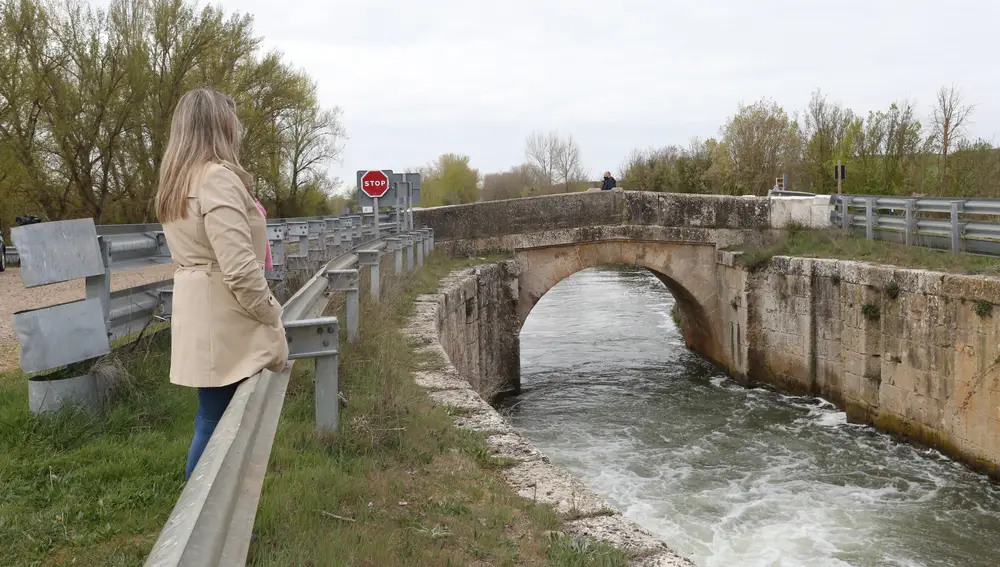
(13, 297)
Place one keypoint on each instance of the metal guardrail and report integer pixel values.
(941, 223)
(776, 192)
(211, 523)
(54, 252)
(11, 255)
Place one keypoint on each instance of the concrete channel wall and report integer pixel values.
(470, 329)
(914, 353)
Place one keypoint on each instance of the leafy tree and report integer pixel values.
(886, 152)
(86, 97)
(761, 142)
(449, 181)
(826, 129)
(974, 169)
(672, 168)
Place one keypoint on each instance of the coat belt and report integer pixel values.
(209, 267)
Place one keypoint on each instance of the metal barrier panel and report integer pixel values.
(62, 334)
(55, 252)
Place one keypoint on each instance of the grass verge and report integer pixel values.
(81, 489)
(834, 244)
(397, 485)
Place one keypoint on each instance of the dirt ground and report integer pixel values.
(13, 297)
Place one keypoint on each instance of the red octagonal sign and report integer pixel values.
(374, 183)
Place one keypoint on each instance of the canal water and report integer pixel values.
(725, 475)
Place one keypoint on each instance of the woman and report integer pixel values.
(226, 324)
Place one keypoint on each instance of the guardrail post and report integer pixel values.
(957, 227)
(167, 303)
(370, 258)
(346, 281)
(418, 244)
(359, 234)
(346, 235)
(161, 244)
(870, 218)
(394, 244)
(100, 286)
(276, 236)
(297, 249)
(317, 243)
(333, 234)
(911, 221)
(408, 248)
(319, 339)
(425, 241)
(430, 238)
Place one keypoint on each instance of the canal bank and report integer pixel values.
(728, 475)
(467, 333)
(912, 352)
(831, 503)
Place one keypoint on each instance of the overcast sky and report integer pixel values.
(417, 78)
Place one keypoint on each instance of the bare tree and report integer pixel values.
(516, 182)
(567, 162)
(314, 140)
(541, 151)
(553, 159)
(949, 120)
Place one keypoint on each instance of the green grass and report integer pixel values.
(833, 243)
(82, 489)
(398, 484)
(79, 489)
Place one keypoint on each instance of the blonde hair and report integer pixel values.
(204, 130)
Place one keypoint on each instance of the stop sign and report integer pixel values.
(374, 183)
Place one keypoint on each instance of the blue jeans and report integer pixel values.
(212, 403)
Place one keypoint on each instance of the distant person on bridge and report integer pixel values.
(609, 182)
(226, 324)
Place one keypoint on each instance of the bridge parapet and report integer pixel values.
(590, 209)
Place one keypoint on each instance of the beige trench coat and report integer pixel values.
(226, 324)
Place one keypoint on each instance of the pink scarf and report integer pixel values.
(267, 257)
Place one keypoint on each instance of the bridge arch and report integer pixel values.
(687, 270)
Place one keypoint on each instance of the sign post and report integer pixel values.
(412, 195)
(374, 183)
(397, 219)
(840, 173)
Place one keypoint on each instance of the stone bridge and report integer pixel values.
(675, 236)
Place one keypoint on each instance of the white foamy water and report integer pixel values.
(726, 475)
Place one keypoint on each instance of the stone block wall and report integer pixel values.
(913, 352)
(732, 286)
(478, 327)
(489, 219)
